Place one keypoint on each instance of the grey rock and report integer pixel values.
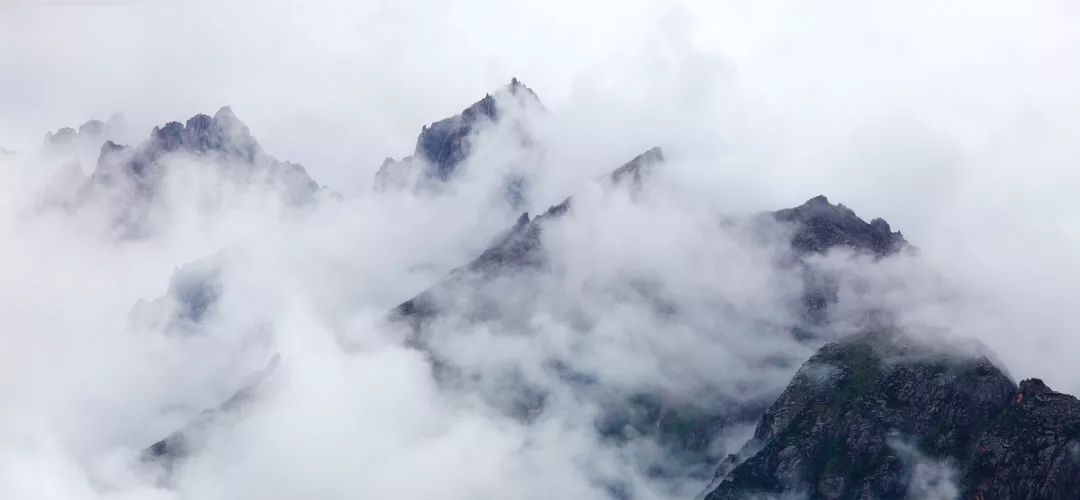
(129, 178)
(1030, 451)
(192, 297)
(684, 429)
(835, 436)
(442, 146)
(821, 226)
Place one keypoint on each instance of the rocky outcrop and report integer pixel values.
(686, 431)
(1030, 450)
(518, 250)
(821, 226)
(222, 139)
(847, 424)
(442, 146)
(815, 227)
(818, 227)
(128, 179)
(191, 297)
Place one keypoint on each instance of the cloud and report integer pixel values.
(952, 122)
(930, 479)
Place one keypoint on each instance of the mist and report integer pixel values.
(955, 123)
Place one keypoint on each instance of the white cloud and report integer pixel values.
(956, 123)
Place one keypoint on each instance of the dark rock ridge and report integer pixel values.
(518, 250)
(442, 146)
(175, 447)
(844, 427)
(188, 308)
(817, 226)
(634, 172)
(136, 172)
(685, 430)
(821, 226)
(1030, 450)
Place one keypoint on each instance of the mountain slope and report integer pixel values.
(444, 145)
(862, 415)
(130, 178)
(499, 290)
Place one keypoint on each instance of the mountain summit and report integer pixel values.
(130, 177)
(442, 146)
(863, 416)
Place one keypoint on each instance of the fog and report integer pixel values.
(955, 123)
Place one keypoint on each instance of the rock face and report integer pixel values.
(442, 146)
(845, 426)
(1030, 450)
(821, 226)
(686, 431)
(816, 227)
(135, 173)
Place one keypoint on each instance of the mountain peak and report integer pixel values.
(820, 225)
(636, 169)
(858, 408)
(222, 133)
(443, 145)
(222, 137)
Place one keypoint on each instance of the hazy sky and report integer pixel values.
(809, 97)
(957, 122)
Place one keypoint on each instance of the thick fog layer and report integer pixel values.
(136, 311)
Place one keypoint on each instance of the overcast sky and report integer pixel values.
(957, 122)
(813, 97)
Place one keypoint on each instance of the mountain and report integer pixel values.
(816, 227)
(869, 416)
(518, 250)
(684, 429)
(822, 226)
(877, 415)
(819, 226)
(172, 449)
(444, 145)
(90, 134)
(129, 177)
(478, 294)
(191, 297)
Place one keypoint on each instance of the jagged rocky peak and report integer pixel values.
(518, 249)
(443, 145)
(220, 137)
(1031, 450)
(172, 450)
(91, 132)
(862, 415)
(820, 225)
(223, 134)
(634, 171)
